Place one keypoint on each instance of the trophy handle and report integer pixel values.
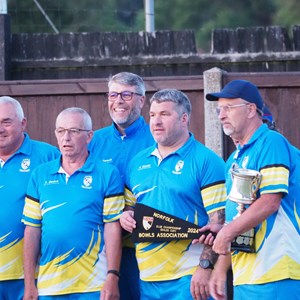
(256, 183)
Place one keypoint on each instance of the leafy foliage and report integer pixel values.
(128, 15)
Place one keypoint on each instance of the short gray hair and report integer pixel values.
(172, 95)
(87, 120)
(130, 79)
(16, 104)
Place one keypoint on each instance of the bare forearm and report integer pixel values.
(260, 210)
(113, 245)
(217, 217)
(113, 249)
(223, 263)
(217, 284)
(32, 237)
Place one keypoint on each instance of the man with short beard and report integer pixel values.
(272, 271)
(117, 144)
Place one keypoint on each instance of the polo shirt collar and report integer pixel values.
(132, 129)
(26, 147)
(257, 134)
(182, 151)
(87, 167)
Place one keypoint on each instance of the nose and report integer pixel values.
(155, 120)
(222, 114)
(67, 135)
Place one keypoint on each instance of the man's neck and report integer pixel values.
(164, 151)
(122, 128)
(249, 133)
(71, 165)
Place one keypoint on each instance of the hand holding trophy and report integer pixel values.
(245, 184)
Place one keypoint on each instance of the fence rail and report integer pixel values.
(42, 100)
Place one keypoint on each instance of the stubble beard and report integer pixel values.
(127, 120)
(228, 131)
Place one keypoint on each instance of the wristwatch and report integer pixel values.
(206, 264)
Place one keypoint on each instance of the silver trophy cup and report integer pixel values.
(245, 184)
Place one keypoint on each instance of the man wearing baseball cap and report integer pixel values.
(273, 270)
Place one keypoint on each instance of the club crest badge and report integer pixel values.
(25, 164)
(178, 167)
(147, 222)
(87, 181)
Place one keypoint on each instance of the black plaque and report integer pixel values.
(153, 225)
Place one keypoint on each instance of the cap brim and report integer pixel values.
(216, 96)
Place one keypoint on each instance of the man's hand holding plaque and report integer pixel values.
(127, 220)
(153, 225)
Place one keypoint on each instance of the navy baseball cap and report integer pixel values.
(267, 115)
(239, 89)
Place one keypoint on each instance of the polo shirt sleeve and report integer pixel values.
(32, 214)
(274, 165)
(114, 197)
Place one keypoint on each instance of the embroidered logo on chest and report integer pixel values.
(87, 182)
(178, 167)
(25, 164)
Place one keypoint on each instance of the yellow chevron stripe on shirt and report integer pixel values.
(113, 205)
(32, 210)
(213, 195)
(167, 261)
(65, 277)
(11, 261)
(274, 176)
(129, 198)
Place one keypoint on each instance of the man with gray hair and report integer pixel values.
(71, 213)
(270, 270)
(183, 178)
(19, 156)
(117, 144)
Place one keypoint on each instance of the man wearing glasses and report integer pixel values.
(72, 210)
(272, 271)
(117, 144)
(129, 133)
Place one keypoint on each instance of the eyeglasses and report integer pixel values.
(227, 108)
(71, 131)
(125, 95)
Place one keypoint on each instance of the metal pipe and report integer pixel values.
(149, 15)
(3, 7)
(46, 16)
